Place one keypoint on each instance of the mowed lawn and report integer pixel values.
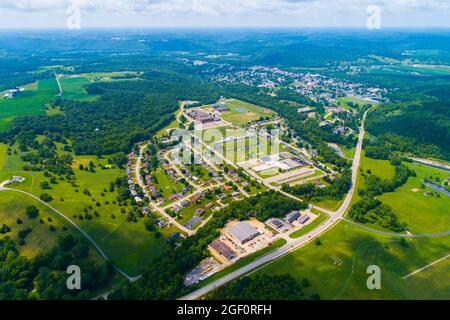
(30, 102)
(337, 268)
(128, 244)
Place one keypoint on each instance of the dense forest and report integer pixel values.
(418, 128)
(127, 112)
(163, 279)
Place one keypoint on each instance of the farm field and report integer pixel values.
(337, 268)
(31, 102)
(74, 89)
(128, 244)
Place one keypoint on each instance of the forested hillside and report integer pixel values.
(128, 112)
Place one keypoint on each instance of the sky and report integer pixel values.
(75, 14)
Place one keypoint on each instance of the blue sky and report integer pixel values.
(223, 13)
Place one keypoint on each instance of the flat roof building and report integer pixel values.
(243, 232)
(292, 216)
(222, 249)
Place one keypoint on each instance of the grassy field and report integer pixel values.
(128, 244)
(166, 185)
(3, 151)
(30, 102)
(74, 89)
(242, 112)
(337, 267)
(331, 205)
(422, 214)
(13, 206)
(343, 102)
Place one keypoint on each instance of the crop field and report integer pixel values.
(31, 102)
(74, 89)
(337, 267)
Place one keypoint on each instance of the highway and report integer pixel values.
(293, 244)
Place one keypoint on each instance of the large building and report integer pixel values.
(243, 232)
(222, 249)
(293, 216)
(203, 117)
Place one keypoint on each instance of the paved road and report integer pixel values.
(102, 253)
(293, 244)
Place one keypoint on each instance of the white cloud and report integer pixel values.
(270, 12)
(208, 7)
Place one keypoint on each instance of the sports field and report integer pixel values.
(30, 102)
(241, 112)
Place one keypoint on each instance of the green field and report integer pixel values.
(422, 214)
(31, 102)
(3, 151)
(74, 89)
(337, 267)
(239, 118)
(343, 102)
(128, 244)
(166, 185)
(13, 206)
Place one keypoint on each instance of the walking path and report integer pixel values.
(426, 267)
